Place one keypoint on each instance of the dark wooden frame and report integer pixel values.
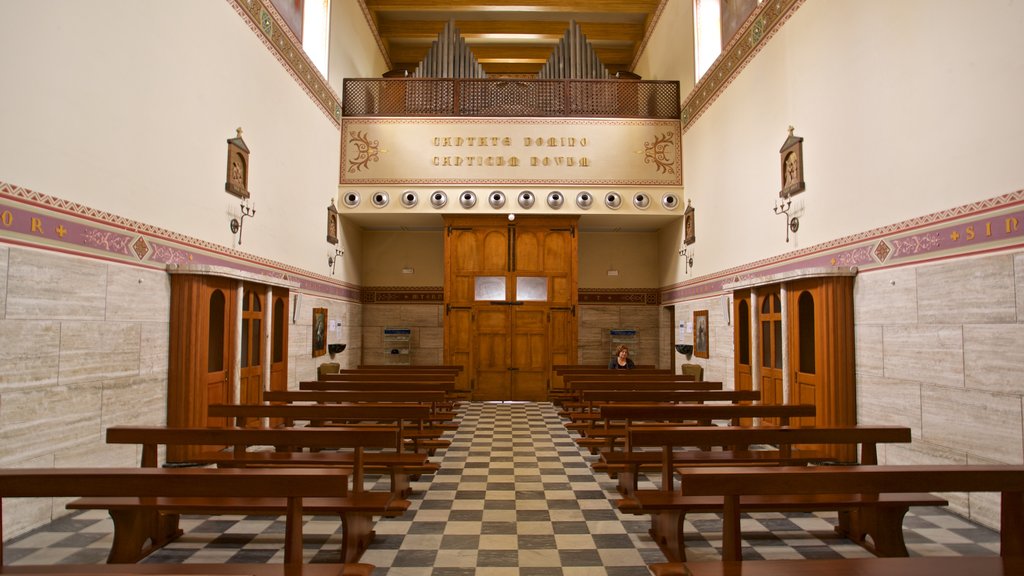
(319, 331)
(791, 165)
(332, 223)
(237, 181)
(700, 320)
(689, 225)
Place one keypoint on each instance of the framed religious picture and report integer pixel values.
(238, 166)
(701, 335)
(332, 223)
(689, 234)
(791, 163)
(319, 332)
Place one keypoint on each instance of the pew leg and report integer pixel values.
(356, 535)
(885, 526)
(667, 532)
(400, 485)
(134, 528)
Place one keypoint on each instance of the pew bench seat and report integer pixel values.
(355, 509)
(626, 466)
(917, 566)
(860, 515)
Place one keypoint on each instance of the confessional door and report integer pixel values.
(251, 353)
(510, 296)
(771, 333)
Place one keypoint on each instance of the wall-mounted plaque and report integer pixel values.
(238, 166)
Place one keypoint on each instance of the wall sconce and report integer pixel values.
(792, 222)
(687, 259)
(332, 260)
(236, 223)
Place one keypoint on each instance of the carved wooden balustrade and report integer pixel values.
(504, 97)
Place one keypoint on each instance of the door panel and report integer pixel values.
(530, 353)
(492, 353)
(770, 355)
(251, 377)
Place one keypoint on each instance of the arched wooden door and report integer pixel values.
(770, 357)
(510, 293)
(252, 344)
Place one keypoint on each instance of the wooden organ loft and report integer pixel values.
(450, 82)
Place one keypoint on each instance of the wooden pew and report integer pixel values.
(436, 399)
(560, 373)
(421, 437)
(355, 507)
(576, 388)
(668, 507)
(734, 485)
(619, 418)
(292, 490)
(591, 401)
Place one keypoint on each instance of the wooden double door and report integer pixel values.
(510, 302)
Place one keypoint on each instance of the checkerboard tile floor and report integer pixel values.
(514, 496)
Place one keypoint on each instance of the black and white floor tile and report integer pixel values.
(514, 496)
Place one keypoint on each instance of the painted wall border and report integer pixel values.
(271, 28)
(36, 220)
(992, 225)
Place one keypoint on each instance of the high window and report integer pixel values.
(316, 32)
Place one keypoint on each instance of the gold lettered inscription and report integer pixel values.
(6, 218)
(555, 151)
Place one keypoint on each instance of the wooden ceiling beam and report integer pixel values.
(569, 6)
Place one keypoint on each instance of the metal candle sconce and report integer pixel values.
(332, 260)
(687, 259)
(792, 222)
(236, 223)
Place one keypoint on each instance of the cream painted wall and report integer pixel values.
(353, 51)
(126, 107)
(386, 252)
(634, 254)
(902, 115)
(668, 54)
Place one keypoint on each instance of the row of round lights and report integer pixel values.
(526, 199)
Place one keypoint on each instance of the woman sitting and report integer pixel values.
(621, 360)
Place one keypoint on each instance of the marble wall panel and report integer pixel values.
(994, 358)
(4, 257)
(382, 315)
(137, 294)
(29, 353)
(55, 287)
(931, 354)
(968, 291)
(868, 350)
(421, 315)
(1018, 282)
(889, 402)
(92, 351)
(429, 338)
(885, 297)
(597, 317)
(155, 341)
(135, 401)
(978, 423)
(37, 423)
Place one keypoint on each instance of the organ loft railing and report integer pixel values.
(450, 82)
